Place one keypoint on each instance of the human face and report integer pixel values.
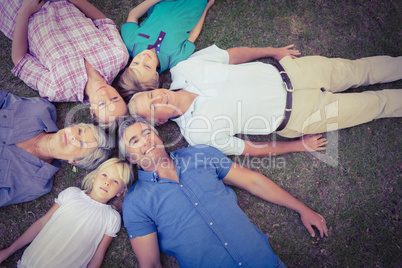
(107, 104)
(145, 64)
(107, 184)
(158, 104)
(73, 143)
(145, 147)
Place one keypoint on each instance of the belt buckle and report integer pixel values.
(285, 85)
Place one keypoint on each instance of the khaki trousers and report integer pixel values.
(317, 105)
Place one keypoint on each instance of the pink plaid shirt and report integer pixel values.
(60, 38)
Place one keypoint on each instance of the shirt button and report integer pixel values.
(211, 223)
(157, 52)
(240, 263)
(181, 185)
(4, 116)
(160, 39)
(196, 204)
(3, 142)
(226, 244)
(158, 45)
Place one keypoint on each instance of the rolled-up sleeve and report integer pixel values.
(34, 74)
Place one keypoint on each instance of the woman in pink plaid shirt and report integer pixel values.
(68, 51)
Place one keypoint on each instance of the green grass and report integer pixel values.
(359, 197)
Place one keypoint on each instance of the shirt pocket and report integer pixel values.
(205, 179)
(6, 118)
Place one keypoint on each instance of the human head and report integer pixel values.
(155, 106)
(140, 75)
(101, 148)
(107, 106)
(124, 171)
(140, 144)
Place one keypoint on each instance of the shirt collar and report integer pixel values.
(152, 176)
(147, 176)
(164, 59)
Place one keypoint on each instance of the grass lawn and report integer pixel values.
(357, 189)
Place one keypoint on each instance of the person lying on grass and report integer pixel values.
(163, 39)
(181, 205)
(67, 51)
(217, 94)
(31, 146)
(79, 227)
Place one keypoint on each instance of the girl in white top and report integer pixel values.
(79, 227)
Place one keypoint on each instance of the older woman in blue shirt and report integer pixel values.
(31, 144)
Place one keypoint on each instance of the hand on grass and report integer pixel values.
(310, 219)
(281, 52)
(314, 142)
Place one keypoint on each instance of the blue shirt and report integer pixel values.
(24, 177)
(166, 28)
(197, 219)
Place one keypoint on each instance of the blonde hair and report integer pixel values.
(129, 84)
(124, 169)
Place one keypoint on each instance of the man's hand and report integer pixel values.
(310, 219)
(281, 52)
(312, 142)
(239, 55)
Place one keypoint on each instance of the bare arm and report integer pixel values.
(266, 189)
(99, 255)
(28, 235)
(307, 143)
(239, 55)
(88, 9)
(195, 32)
(146, 248)
(20, 38)
(136, 13)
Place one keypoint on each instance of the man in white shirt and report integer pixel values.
(216, 94)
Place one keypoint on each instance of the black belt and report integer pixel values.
(289, 90)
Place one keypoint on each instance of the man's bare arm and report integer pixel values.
(146, 248)
(239, 55)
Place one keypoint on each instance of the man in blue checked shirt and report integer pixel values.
(181, 205)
